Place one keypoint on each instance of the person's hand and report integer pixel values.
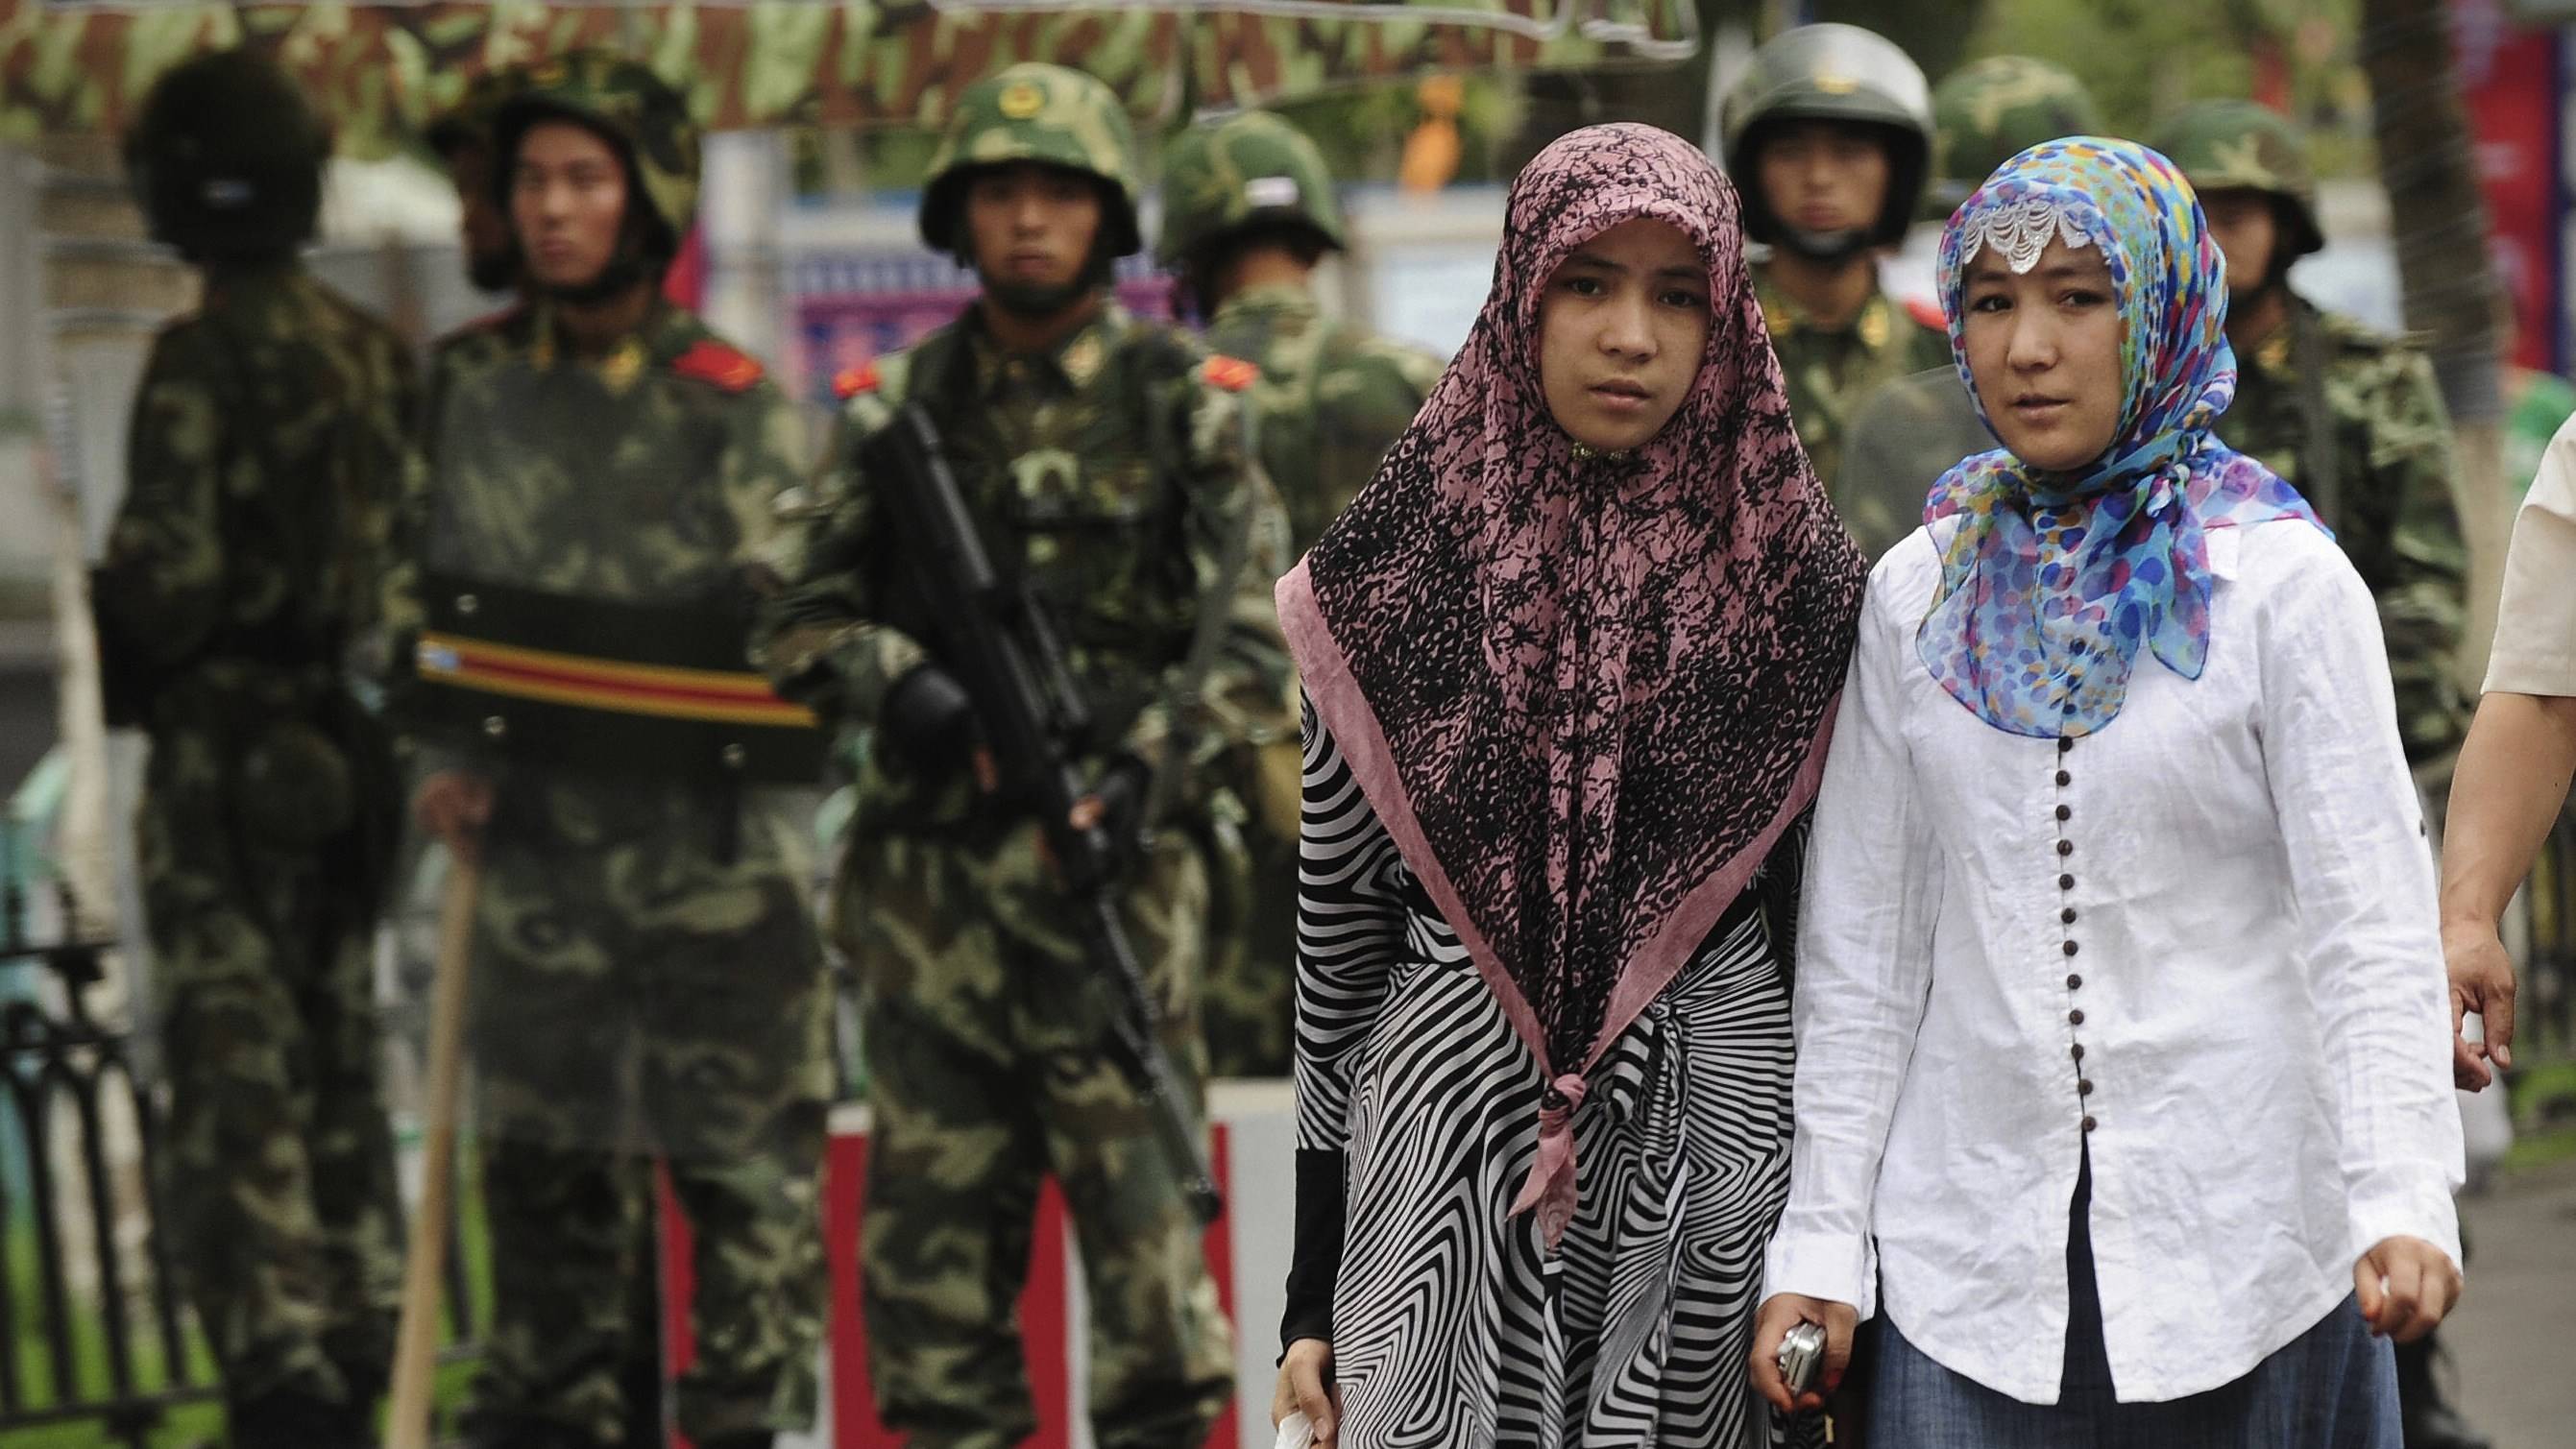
(454, 806)
(1301, 1389)
(1783, 1312)
(2407, 1286)
(2481, 981)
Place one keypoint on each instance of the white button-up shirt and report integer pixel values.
(2200, 943)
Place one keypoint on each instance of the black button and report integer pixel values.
(2074, 982)
(2079, 1051)
(2065, 743)
(2064, 813)
(2075, 1018)
(2070, 948)
(2066, 847)
(2066, 917)
(2064, 778)
(2066, 882)
(2083, 1088)
(2088, 1124)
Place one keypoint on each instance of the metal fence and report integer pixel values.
(94, 1328)
(91, 1324)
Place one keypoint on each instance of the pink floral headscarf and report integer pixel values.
(1586, 694)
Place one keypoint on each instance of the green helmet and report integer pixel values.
(626, 102)
(226, 159)
(1221, 177)
(1831, 72)
(1044, 114)
(469, 122)
(2240, 146)
(1987, 112)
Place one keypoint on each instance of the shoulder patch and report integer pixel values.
(1233, 374)
(714, 362)
(849, 382)
(1927, 312)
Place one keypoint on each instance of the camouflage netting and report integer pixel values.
(382, 73)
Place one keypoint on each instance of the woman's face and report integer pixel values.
(1621, 329)
(2044, 348)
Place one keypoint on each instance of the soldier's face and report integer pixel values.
(1032, 227)
(2044, 348)
(1824, 176)
(484, 230)
(2248, 230)
(1622, 327)
(567, 203)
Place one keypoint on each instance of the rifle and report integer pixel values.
(995, 637)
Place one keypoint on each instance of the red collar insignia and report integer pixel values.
(713, 362)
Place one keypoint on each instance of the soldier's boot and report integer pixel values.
(2430, 1421)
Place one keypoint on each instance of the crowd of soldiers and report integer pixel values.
(616, 610)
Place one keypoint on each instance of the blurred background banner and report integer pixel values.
(381, 70)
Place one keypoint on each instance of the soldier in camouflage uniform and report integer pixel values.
(243, 574)
(2350, 416)
(1910, 430)
(462, 139)
(2354, 419)
(1102, 458)
(647, 979)
(1828, 137)
(1248, 212)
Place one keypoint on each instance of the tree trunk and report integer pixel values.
(2439, 220)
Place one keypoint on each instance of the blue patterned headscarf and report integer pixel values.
(2054, 581)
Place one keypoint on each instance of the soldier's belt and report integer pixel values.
(628, 688)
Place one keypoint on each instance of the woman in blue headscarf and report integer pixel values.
(2122, 1055)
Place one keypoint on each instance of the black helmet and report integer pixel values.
(1831, 72)
(226, 159)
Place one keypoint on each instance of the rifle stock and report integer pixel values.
(996, 639)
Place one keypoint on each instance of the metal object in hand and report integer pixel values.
(1802, 1356)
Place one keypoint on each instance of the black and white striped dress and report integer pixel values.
(1451, 1328)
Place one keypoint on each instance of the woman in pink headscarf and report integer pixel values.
(1570, 661)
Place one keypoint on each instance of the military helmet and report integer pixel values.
(624, 101)
(1222, 176)
(1989, 111)
(2240, 146)
(226, 158)
(1831, 72)
(1044, 114)
(469, 122)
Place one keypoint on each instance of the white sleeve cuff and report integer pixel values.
(1836, 1267)
(2423, 1211)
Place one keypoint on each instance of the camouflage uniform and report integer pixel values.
(1330, 400)
(1107, 471)
(1843, 74)
(2381, 473)
(1829, 370)
(647, 980)
(266, 460)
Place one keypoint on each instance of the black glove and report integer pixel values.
(929, 721)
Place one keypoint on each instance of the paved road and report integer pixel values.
(2513, 1341)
